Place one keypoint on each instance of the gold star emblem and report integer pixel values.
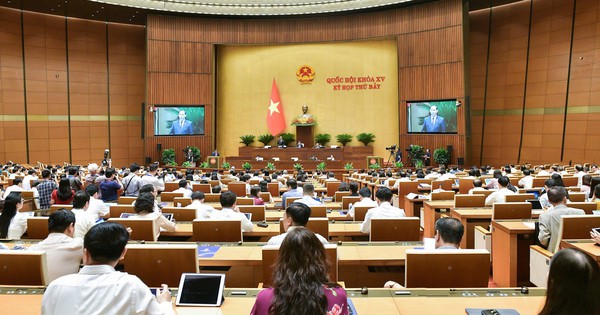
(273, 108)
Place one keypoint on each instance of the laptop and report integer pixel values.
(488, 181)
(198, 289)
(535, 204)
(536, 193)
(169, 216)
(127, 215)
(248, 215)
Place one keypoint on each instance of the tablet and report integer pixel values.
(169, 216)
(248, 215)
(200, 289)
(127, 215)
(535, 204)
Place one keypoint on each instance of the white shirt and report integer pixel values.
(203, 211)
(365, 202)
(159, 184)
(161, 222)
(278, 239)
(97, 208)
(17, 226)
(498, 196)
(27, 181)
(228, 214)
(10, 189)
(83, 222)
(476, 189)
(186, 192)
(309, 201)
(63, 254)
(526, 182)
(101, 290)
(401, 179)
(385, 210)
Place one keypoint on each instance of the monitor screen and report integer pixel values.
(179, 120)
(431, 116)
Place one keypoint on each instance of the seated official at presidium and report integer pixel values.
(182, 126)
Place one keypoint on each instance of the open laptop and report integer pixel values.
(536, 193)
(200, 289)
(535, 204)
(248, 215)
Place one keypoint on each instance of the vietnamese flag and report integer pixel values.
(275, 117)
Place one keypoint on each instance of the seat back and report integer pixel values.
(169, 196)
(317, 225)
(238, 188)
(395, 229)
(265, 196)
(125, 200)
(539, 181)
(442, 195)
(445, 184)
(570, 180)
(156, 264)
(575, 227)
(141, 229)
(577, 196)
(23, 267)
(511, 210)
(182, 201)
(217, 231)
(116, 210)
(318, 211)
(337, 197)
(332, 187)
(273, 189)
(469, 201)
(270, 253)
(519, 197)
(37, 228)
(460, 268)
(289, 200)
(347, 200)
(405, 188)
(181, 214)
(588, 207)
(244, 201)
(54, 208)
(483, 192)
(170, 186)
(258, 212)
(212, 197)
(361, 211)
(205, 188)
(464, 185)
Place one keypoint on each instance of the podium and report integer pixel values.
(305, 135)
(213, 161)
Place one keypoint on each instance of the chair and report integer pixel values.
(539, 265)
(181, 214)
(37, 228)
(469, 201)
(169, 196)
(171, 186)
(289, 200)
(460, 268)
(258, 212)
(217, 231)
(125, 200)
(395, 229)
(575, 227)
(116, 210)
(212, 197)
(270, 254)
(141, 229)
(347, 200)
(244, 201)
(361, 211)
(519, 197)
(23, 267)
(445, 184)
(464, 185)
(54, 208)
(511, 210)
(483, 192)
(539, 181)
(332, 187)
(205, 188)
(442, 195)
(577, 196)
(238, 188)
(156, 264)
(405, 188)
(337, 197)
(570, 180)
(273, 189)
(265, 196)
(588, 207)
(318, 211)
(182, 201)
(317, 225)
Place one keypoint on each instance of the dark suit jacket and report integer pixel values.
(176, 128)
(429, 126)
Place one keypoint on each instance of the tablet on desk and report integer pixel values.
(127, 215)
(248, 215)
(197, 289)
(169, 216)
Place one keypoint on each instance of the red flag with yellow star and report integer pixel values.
(275, 117)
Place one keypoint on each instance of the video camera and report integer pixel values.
(392, 148)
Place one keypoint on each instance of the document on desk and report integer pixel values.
(501, 311)
(207, 251)
(529, 224)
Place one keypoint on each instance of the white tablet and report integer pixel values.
(200, 289)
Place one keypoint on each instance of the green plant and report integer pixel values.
(298, 167)
(247, 166)
(399, 164)
(441, 156)
(186, 164)
(419, 164)
(270, 166)
(322, 138)
(195, 152)
(416, 154)
(168, 157)
(204, 165)
(172, 163)
(348, 167)
(247, 139)
(374, 166)
(365, 138)
(288, 138)
(266, 138)
(226, 165)
(344, 138)
(321, 166)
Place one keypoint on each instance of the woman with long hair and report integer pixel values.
(573, 284)
(300, 281)
(12, 223)
(64, 194)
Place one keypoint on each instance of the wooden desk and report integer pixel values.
(510, 248)
(587, 246)
(274, 216)
(412, 207)
(470, 218)
(431, 212)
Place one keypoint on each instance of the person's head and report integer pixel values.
(296, 214)
(557, 179)
(92, 168)
(557, 195)
(216, 189)
(92, 191)
(62, 221)
(384, 194)
(149, 188)
(198, 195)
(497, 174)
(353, 187)
(586, 180)
(330, 175)
(110, 173)
(182, 115)
(134, 167)
(549, 183)
(254, 190)
(227, 199)
(81, 200)
(153, 168)
(579, 168)
(344, 187)
(291, 183)
(477, 183)
(18, 182)
(503, 181)
(72, 170)
(144, 203)
(300, 273)
(433, 111)
(448, 232)
(104, 244)
(64, 189)
(12, 204)
(308, 189)
(46, 174)
(183, 183)
(526, 172)
(573, 284)
(364, 192)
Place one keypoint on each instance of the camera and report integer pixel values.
(391, 148)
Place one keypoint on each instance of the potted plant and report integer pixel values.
(399, 164)
(265, 139)
(343, 138)
(321, 166)
(247, 139)
(374, 166)
(204, 165)
(288, 138)
(226, 165)
(322, 138)
(419, 164)
(298, 167)
(348, 167)
(365, 138)
(270, 166)
(441, 156)
(168, 157)
(195, 152)
(416, 154)
(187, 164)
(247, 166)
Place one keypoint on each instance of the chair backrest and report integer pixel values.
(405, 188)
(37, 228)
(395, 229)
(270, 253)
(442, 195)
(539, 181)
(347, 200)
(238, 188)
(332, 187)
(170, 186)
(212, 197)
(273, 189)
(511, 210)
(265, 196)
(337, 197)
(361, 211)
(156, 264)
(445, 184)
(54, 208)
(182, 201)
(245, 201)
(141, 229)
(483, 192)
(575, 227)
(573, 189)
(169, 196)
(588, 207)
(116, 210)
(447, 268)
(258, 212)
(125, 200)
(181, 214)
(205, 188)
(469, 201)
(23, 267)
(464, 185)
(318, 211)
(289, 200)
(519, 197)
(577, 196)
(317, 225)
(217, 231)
(27, 194)
(570, 180)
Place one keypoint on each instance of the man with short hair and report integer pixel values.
(203, 211)
(477, 186)
(231, 211)
(31, 175)
(150, 178)
(74, 179)
(93, 174)
(183, 188)
(132, 183)
(308, 191)
(292, 191)
(331, 177)
(384, 210)
(96, 209)
(84, 221)
(63, 252)
(181, 126)
(500, 194)
(98, 288)
(16, 187)
(527, 181)
(544, 202)
(110, 187)
(45, 189)
(550, 219)
(365, 201)
(297, 214)
(433, 122)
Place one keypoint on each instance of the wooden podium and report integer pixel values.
(305, 135)
(213, 161)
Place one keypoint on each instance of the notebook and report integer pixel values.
(198, 289)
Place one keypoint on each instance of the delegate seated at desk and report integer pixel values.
(203, 211)
(384, 210)
(230, 211)
(365, 201)
(308, 191)
(292, 191)
(296, 214)
(550, 220)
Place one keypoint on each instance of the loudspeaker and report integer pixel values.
(461, 161)
(449, 148)
(148, 159)
(159, 146)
